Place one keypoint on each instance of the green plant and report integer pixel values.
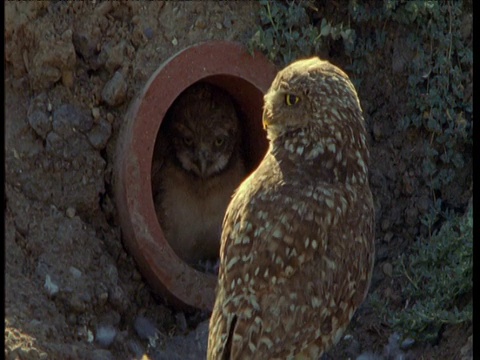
(438, 275)
(439, 75)
(440, 68)
(286, 31)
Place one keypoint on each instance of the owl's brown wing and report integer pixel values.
(284, 257)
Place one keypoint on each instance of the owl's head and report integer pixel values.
(204, 130)
(310, 94)
(312, 113)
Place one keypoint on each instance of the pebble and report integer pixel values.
(200, 23)
(40, 123)
(54, 142)
(69, 118)
(110, 117)
(77, 274)
(70, 212)
(112, 273)
(51, 287)
(95, 113)
(148, 33)
(117, 298)
(388, 237)
(76, 304)
(101, 292)
(387, 269)
(105, 335)
(115, 90)
(67, 78)
(144, 327)
(100, 134)
(174, 42)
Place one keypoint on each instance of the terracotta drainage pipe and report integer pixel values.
(227, 65)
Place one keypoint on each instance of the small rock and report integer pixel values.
(388, 237)
(100, 134)
(115, 90)
(219, 26)
(68, 118)
(114, 54)
(112, 273)
(174, 42)
(67, 78)
(117, 298)
(387, 269)
(70, 212)
(200, 23)
(54, 143)
(90, 336)
(101, 293)
(105, 335)
(148, 33)
(145, 328)
(110, 117)
(76, 304)
(77, 274)
(95, 113)
(40, 123)
(51, 287)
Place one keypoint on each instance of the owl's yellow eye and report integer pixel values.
(219, 141)
(188, 141)
(291, 100)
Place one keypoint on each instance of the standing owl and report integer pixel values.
(199, 166)
(297, 246)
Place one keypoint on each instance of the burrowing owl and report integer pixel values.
(201, 166)
(297, 245)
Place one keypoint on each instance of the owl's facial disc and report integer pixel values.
(281, 111)
(204, 157)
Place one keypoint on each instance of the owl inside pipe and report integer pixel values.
(297, 246)
(199, 167)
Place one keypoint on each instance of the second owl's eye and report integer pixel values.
(188, 141)
(291, 100)
(219, 141)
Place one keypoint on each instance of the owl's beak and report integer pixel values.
(201, 163)
(266, 118)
